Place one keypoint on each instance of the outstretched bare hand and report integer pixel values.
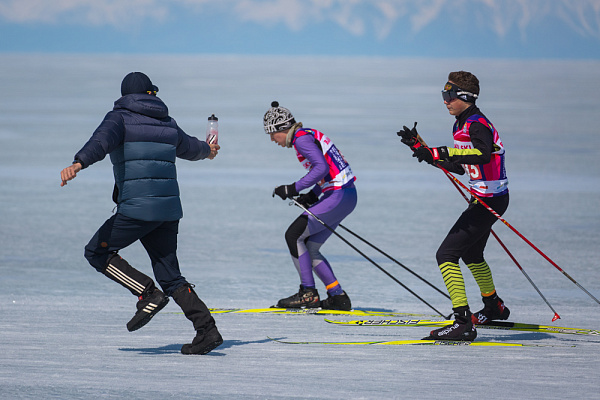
(69, 173)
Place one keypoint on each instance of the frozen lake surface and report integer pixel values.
(62, 325)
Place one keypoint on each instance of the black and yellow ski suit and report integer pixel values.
(467, 238)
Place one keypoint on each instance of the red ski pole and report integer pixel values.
(556, 316)
(453, 180)
(490, 209)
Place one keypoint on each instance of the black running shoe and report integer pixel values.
(461, 330)
(204, 342)
(337, 302)
(147, 307)
(305, 298)
(493, 309)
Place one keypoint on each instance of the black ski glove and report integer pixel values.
(286, 191)
(307, 199)
(409, 136)
(431, 154)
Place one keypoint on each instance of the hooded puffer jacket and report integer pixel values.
(143, 142)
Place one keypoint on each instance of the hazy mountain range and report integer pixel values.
(429, 28)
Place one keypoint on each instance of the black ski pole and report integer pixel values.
(394, 260)
(367, 258)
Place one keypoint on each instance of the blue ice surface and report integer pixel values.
(62, 325)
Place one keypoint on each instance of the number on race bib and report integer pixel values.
(473, 171)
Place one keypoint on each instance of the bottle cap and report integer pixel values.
(213, 118)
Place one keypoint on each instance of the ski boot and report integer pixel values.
(494, 309)
(337, 302)
(462, 329)
(305, 298)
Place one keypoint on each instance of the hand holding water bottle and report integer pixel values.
(212, 136)
(212, 130)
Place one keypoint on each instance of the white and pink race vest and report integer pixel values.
(486, 180)
(340, 174)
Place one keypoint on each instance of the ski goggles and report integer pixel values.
(452, 92)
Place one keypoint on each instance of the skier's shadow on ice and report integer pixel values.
(176, 348)
(529, 336)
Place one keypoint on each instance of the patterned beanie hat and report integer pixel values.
(277, 119)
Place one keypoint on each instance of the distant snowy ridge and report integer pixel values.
(378, 18)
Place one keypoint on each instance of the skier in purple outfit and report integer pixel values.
(332, 197)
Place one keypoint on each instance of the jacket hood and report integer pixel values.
(145, 104)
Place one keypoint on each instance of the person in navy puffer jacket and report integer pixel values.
(143, 142)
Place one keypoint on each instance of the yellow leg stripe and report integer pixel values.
(483, 276)
(334, 284)
(455, 284)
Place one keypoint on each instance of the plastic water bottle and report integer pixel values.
(212, 130)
